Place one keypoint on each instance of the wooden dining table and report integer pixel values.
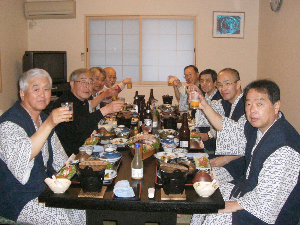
(135, 211)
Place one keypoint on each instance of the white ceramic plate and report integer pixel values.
(162, 155)
(120, 142)
(109, 174)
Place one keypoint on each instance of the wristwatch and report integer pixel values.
(275, 5)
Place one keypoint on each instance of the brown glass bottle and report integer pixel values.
(135, 104)
(148, 119)
(141, 115)
(184, 133)
(151, 97)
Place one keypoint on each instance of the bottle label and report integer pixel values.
(135, 108)
(184, 144)
(148, 123)
(137, 173)
(155, 124)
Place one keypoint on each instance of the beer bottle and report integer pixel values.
(148, 119)
(184, 133)
(135, 104)
(151, 97)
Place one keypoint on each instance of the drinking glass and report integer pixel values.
(70, 106)
(129, 85)
(171, 81)
(194, 96)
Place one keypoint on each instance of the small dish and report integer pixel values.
(181, 152)
(109, 175)
(120, 142)
(110, 147)
(65, 184)
(165, 155)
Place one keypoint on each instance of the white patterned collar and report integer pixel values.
(234, 104)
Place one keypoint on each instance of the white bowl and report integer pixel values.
(168, 149)
(87, 148)
(181, 152)
(52, 185)
(203, 190)
(107, 127)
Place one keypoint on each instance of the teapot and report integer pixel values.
(202, 175)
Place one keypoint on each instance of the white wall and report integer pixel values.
(279, 53)
(13, 44)
(215, 53)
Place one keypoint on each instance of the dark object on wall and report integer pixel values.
(54, 62)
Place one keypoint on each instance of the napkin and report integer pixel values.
(122, 189)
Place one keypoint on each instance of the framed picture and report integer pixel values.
(228, 24)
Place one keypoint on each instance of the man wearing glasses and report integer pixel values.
(232, 105)
(111, 78)
(73, 134)
(191, 75)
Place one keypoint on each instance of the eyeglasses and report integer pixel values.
(227, 84)
(84, 83)
(99, 79)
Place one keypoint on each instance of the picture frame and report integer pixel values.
(228, 24)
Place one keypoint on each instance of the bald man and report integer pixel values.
(111, 78)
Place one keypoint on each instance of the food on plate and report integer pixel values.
(148, 141)
(195, 134)
(165, 133)
(66, 172)
(109, 166)
(106, 176)
(201, 162)
(171, 167)
(92, 140)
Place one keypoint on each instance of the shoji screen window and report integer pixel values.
(146, 49)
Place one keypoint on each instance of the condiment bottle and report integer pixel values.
(148, 119)
(184, 133)
(137, 167)
(155, 118)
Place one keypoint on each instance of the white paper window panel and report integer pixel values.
(114, 26)
(150, 26)
(167, 26)
(167, 42)
(184, 58)
(131, 26)
(131, 58)
(131, 71)
(185, 26)
(150, 57)
(97, 42)
(131, 42)
(161, 73)
(165, 71)
(150, 42)
(113, 42)
(150, 73)
(185, 42)
(113, 58)
(167, 58)
(97, 26)
(97, 58)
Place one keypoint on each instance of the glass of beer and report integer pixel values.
(129, 85)
(194, 104)
(171, 81)
(70, 106)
